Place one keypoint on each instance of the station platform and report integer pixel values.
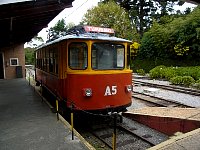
(187, 141)
(181, 124)
(26, 122)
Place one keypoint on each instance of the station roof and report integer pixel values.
(21, 20)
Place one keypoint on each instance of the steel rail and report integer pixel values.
(160, 101)
(170, 87)
(120, 126)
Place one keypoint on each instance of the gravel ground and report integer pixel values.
(187, 99)
(157, 137)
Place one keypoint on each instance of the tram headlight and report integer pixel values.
(87, 92)
(128, 88)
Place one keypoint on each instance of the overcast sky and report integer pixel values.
(73, 14)
(80, 7)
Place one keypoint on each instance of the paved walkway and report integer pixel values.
(187, 141)
(160, 117)
(27, 123)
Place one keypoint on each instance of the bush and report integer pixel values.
(189, 71)
(195, 73)
(141, 72)
(197, 84)
(148, 64)
(176, 80)
(198, 81)
(169, 73)
(187, 80)
(157, 72)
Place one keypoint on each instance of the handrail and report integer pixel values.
(30, 74)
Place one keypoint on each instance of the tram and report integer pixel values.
(88, 68)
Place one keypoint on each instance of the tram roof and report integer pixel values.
(88, 36)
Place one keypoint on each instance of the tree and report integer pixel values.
(59, 30)
(142, 12)
(179, 38)
(29, 56)
(113, 16)
(35, 41)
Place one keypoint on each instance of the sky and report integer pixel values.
(75, 13)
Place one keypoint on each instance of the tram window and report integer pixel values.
(38, 59)
(107, 56)
(51, 62)
(47, 60)
(45, 64)
(78, 55)
(128, 57)
(39, 64)
(55, 62)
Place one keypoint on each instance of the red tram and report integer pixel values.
(88, 68)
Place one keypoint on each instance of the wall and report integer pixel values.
(15, 51)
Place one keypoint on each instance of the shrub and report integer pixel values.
(187, 80)
(169, 72)
(195, 73)
(141, 72)
(182, 71)
(197, 84)
(176, 80)
(198, 81)
(189, 71)
(157, 72)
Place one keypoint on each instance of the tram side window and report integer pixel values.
(53, 61)
(128, 57)
(78, 55)
(47, 60)
(107, 56)
(40, 63)
(38, 59)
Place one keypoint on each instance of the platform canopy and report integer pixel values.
(21, 20)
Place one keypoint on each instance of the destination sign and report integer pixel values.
(98, 29)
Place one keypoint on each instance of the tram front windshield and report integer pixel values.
(107, 56)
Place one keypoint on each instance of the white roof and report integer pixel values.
(2, 2)
(85, 36)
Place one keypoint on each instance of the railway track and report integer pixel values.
(126, 138)
(158, 101)
(169, 87)
(130, 135)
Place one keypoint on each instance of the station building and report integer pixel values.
(12, 62)
(20, 21)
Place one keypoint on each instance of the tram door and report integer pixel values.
(1, 67)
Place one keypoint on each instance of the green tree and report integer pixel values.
(35, 41)
(142, 12)
(179, 38)
(59, 30)
(29, 56)
(113, 16)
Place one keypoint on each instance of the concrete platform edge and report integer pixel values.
(89, 146)
(86, 144)
(175, 139)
